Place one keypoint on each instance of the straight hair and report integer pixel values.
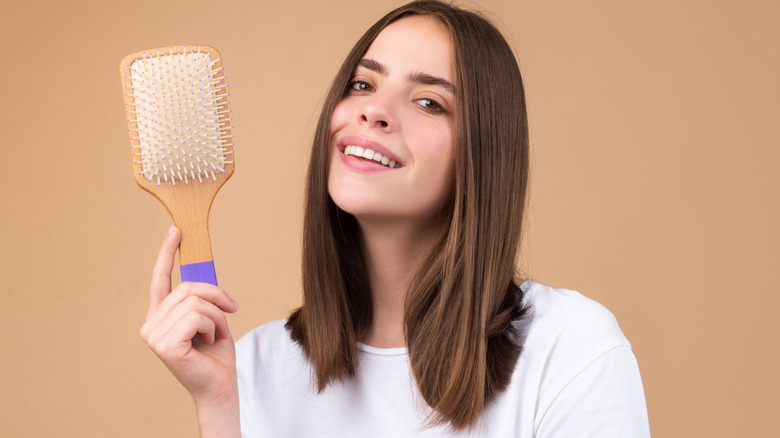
(464, 313)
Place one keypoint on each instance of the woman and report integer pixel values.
(413, 322)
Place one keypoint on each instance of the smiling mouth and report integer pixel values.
(368, 154)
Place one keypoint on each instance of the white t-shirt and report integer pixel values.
(576, 377)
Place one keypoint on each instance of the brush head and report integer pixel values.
(179, 126)
(178, 117)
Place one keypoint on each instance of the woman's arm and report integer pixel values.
(187, 329)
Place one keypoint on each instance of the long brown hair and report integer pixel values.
(464, 315)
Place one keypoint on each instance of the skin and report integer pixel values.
(401, 99)
(187, 329)
(408, 108)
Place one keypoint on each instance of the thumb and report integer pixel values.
(161, 274)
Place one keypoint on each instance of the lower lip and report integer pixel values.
(362, 164)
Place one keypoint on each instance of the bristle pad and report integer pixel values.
(180, 112)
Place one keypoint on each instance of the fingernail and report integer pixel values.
(170, 230)
(235, 304)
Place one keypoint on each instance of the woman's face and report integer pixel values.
(401, 105)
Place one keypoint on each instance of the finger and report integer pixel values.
(161, 274)
(184, 291)
(177, 343)
(205, 326)
(179, 314)
(204, 291)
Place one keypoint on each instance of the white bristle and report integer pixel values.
(178, 116)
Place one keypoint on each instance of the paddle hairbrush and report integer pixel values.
(180, 137)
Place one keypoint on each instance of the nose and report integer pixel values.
(377, 113)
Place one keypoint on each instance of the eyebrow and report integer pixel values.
(418, 77)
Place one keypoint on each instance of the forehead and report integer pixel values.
(415, 44)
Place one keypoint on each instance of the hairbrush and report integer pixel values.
(179, 126)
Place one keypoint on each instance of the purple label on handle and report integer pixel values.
(202, 272)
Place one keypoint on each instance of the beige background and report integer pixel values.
(654, 191)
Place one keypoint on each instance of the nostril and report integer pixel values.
(373, 118)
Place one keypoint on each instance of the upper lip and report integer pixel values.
(367, 143)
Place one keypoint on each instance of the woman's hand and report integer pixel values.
(187, 329)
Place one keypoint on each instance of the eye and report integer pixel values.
(360, 86)
(430, 105)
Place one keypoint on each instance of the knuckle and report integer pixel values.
(186, 287)
(179, 293)
(152, 341)
(164, 352)
(145, 333)
(195, 317)
(192, 300)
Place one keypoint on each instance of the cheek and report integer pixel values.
(447, 169)
(435, 154)
(445, 158)
(339, 116)
(437, 147)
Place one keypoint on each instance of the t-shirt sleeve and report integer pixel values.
(604, 400)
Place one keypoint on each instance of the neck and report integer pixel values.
(393, 254)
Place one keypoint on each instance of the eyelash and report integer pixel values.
(364, 87)
(438, 108)
(353, 86)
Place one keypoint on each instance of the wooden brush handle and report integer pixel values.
(189, 206)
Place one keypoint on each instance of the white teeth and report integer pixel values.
(369, 154)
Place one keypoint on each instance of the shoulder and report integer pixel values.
(567, 334)
(585, 374)
(570, 320)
